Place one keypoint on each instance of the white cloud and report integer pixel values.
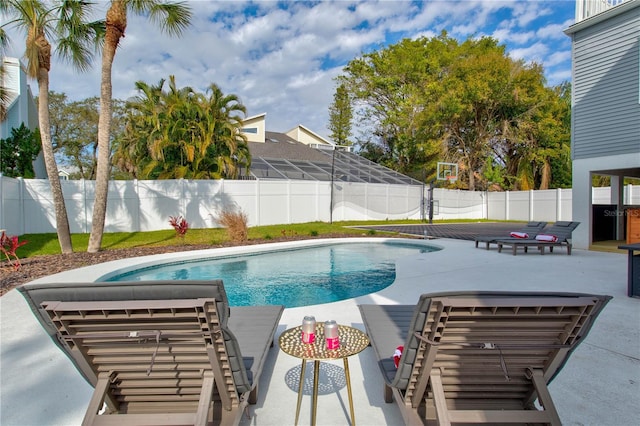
(527, 12)
(556, 77)
(555, 30)
(282, 58)
(557, 58)
(504, 35)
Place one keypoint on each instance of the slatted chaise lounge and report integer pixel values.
(531, 229)
(561, 230)
(169, 352)
(478, 357)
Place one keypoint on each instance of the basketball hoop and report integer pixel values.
(447, 171)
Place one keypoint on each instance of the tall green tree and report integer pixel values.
(74, 132)
(394, 90)
(18, 152)
(561, 165)
(436, 99)
(172, 18)
(340, 116)
(477, 87)
(79, 143)
(66, 23)
(534, 136)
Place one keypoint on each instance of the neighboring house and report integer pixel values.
(254, 128)
(605, 134)
(63, 175)
(21, 107)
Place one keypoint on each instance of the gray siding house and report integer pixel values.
(605, 134)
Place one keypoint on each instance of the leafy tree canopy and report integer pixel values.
(436, 99)
(18, 152)
(74, 132)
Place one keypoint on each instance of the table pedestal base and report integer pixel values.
(316, 374)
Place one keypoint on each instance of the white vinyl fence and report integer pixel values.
(545, 205)
(26, 205)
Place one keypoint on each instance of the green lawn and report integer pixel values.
(43, 244)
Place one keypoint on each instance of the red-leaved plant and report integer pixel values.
(8, 246)
(180, 224)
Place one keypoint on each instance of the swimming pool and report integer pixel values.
(295, 277)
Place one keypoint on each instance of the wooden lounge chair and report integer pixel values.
(531, 229)
(478, 357)
(562, 230)
(158, 353)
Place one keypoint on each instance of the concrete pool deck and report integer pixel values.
(600, 385)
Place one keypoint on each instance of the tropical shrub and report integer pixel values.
(8, 246)
(180, 224)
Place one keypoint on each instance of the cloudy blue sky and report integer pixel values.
(281, 58)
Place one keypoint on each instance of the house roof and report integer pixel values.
(307, 136)
(282, 157)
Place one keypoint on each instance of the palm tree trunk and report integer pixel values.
(103, 169)
(116, 23)
(62, 221)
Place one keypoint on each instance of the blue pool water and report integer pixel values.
(299, 277)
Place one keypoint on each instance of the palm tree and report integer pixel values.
(142, 128)
(173, 18)
(65, 21)
(4, 96)
(230, 143)
(181, 133)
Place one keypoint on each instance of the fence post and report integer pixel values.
(485, 204)
(288, 201)
(21, 204)
(317, 201)
(181, 208)
(506, 205)
(531, 205)
(136, 190)
(368, 206)
(84, 205)
(558, 204)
